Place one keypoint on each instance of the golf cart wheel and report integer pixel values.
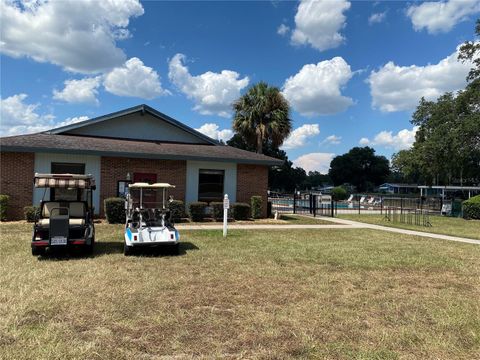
(37, 251)
(127, 250)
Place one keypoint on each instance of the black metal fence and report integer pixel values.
(302, 203)
(323, 205)
(417, 217)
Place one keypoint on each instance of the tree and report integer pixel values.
(447, 144)
(405, 168)
(468, 52)
(339, 193)
(359, 167)
(316, 180)
(262, 116)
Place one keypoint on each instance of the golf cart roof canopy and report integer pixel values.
(70, 181)
(150, 186)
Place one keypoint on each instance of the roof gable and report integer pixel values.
(138, 123)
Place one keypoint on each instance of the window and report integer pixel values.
(66, 194)
(68, 168)
(210, 185)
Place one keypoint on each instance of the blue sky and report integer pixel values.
(352, 71)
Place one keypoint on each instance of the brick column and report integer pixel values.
(16, 181)
(252, 180)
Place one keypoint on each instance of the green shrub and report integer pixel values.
(197, 210)
(339, 193)
(3, 207)
(241, 211)
(217, 210)
(256, 204)
(471, 208)
(115, 210)
(177, 210)
(31, 213)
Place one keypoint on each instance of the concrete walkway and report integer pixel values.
(337, 224)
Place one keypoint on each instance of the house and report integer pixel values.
(391, 188)
(139, 144)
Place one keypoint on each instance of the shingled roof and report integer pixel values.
(48, 142)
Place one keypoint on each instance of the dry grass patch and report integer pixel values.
(343, 294)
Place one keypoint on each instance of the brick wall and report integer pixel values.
(252, 180)
(16, 181)
(114, 169)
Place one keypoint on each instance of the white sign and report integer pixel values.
(226, 206)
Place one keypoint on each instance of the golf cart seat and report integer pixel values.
(76, 210)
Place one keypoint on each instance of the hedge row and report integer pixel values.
(256, 203)
(31, 213)
(241, 211)
(3, 207)
(471, 208)
(177, 210)
(115, 210)
(217, 210)
(198, 210)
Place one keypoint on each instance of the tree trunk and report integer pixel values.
(259, 143)
(259, 140)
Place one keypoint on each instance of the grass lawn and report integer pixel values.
(334, 294)
(440, 224)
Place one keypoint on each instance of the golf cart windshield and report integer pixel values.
(144, 195)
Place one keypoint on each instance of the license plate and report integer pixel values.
(58, 240)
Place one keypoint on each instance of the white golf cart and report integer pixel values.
(65, 220)
(147, 222)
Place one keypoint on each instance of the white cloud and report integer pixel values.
(315, 162)
(213, 93)
(315, 89)
(377, 18)
(17, 117)
(398, 88)
(71, 120)
(134, 79)
(318, 23)
(79, 36)
(283, 29)
(364, 141)
(79, 91)
(299, 136)
(211, 130)
(441, 16)
(332, 139)
(402, 140)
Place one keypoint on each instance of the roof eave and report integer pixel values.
(266, 162)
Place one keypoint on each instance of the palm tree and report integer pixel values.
(262, 115)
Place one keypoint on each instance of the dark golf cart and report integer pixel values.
(66, 219)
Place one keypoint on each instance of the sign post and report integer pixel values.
(226, 206)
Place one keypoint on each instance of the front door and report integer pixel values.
(149, 196)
